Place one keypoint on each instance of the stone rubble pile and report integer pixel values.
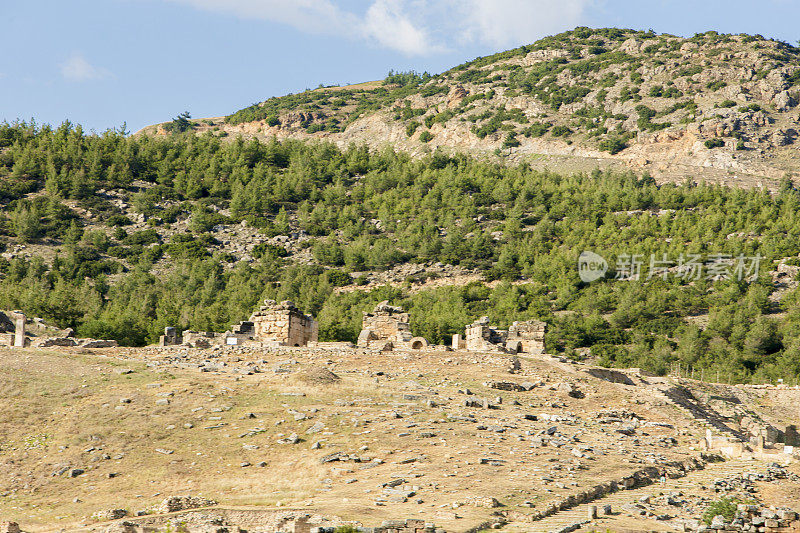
(755, 518)
(746, 482)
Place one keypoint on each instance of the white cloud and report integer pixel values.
(77, 68)
(387, 23)
(315, 16)
(415, 27)
(505, 23)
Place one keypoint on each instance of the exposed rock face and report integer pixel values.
(456, 96)
(712, 86)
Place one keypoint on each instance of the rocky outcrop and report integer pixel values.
(737, 88)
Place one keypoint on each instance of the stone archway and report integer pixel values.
(418, 343)
(514, 346)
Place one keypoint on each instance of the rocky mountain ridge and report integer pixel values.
(715, 107)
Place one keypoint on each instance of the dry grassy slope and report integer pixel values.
(65, 410)
(602, 76)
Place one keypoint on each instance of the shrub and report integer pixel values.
(425, 136)
(26, 223)
(645, 119)
(266, 249)
(149, 236)
(726, 104)
(118, 220)
(716, 142)
(537, 129)
(561, 131)
(748, 108)
(724, 506)
(187, 250)
(180, 123)
(613, 145)
(328, 252)
(337, 278)
(511, 141)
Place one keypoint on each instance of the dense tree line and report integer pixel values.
(372, 210)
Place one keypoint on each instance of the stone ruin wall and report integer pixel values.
(285, 324)
(215, 520)
(273, 324)
(14, 333)
(521, 337)
(12, 330)
(387, 327)
(528, 335)
(480, 337)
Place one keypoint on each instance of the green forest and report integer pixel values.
(369, 211)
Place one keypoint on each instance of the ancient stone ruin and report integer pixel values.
(12, 328)
(274, 324)
(281, 323)
(481, 337)
(17, 331)
(521, 337)
(170, 337)
(387, 328)
(526, 337)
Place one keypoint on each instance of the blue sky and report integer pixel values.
(104, 62)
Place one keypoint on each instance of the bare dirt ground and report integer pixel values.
(126, 428)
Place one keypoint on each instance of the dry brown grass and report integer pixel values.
(57, 406)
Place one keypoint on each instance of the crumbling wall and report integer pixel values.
(283, 323)
(522, 337)
(526, 337)
(480, 337)
(276, 324)
(388, 327)
(13, 329)
(198, 339)
(170, 337)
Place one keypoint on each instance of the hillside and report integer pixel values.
(338, 435)
(717, 107)
(119, 236)
(630, 358)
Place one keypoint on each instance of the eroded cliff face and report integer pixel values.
(714, 107)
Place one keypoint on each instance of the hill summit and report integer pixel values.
(721, 107)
